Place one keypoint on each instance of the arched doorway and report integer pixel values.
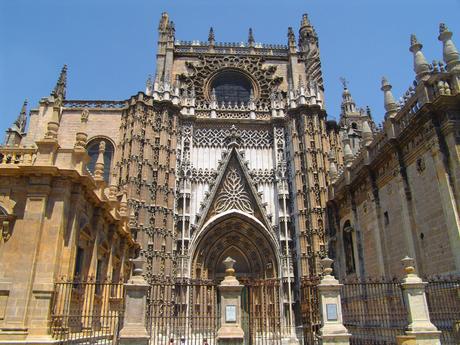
(245, 239)
(241, 236)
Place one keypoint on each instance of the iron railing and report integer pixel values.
(373, 312)
(87, 311)
(443, 298)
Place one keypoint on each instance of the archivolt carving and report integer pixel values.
(233, 195)
(199, 73)
(215, 137)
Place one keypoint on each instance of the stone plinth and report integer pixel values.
(230, 331)
(332, 331)
(420, 326)
(134, 331)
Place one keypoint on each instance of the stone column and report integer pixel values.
(332, 331)
(134, 331)
(230, 331)
(420, 327)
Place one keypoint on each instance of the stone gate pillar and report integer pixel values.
(134, 331)
(420, 330)
(230, 331)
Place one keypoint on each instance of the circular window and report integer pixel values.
(231, 86)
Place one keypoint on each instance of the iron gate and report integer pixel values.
(185, 311)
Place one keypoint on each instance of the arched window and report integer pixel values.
(348, 248)
(93, 152)
(231, 86)
(354, 125)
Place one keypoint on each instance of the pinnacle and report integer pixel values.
(305, 21)
(211, 36)
(251, 37)
(413, 40)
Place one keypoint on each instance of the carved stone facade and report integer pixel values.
(229, 152)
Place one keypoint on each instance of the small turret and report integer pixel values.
(421, 66)
(450, 53)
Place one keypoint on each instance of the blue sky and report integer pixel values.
(109, 45)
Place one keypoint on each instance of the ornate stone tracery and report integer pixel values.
(216, 137)
(200, 74)
(233, 195)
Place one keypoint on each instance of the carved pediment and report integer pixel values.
(233, 190)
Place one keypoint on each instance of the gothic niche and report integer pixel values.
(5, 224)
(348, 248)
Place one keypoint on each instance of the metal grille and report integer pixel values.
(261, 317)
(309, 310)
(182, 312)
(88, 311)
(373, 312)
(443, 297)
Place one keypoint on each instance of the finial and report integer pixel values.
(163, 21)
(327, 265)
(344, 82)
(421, 66)
(211, 37)
(366, 133)
(229, 270)
(99, 166)
(347, 153)
(450, 53)
(442, 28)
(251, 40)
(305, 22)
(388, 99)
(61, 85)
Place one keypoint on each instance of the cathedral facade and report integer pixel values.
(229, 153)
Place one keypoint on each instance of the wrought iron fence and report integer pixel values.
(443, 298)
(87, 311)
(373, 312)
(310, 310)
(182, 311)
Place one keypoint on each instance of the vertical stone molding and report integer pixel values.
(134, 331)
(332, 331)
(230, 331)
(420, 327)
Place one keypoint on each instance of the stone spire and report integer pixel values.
(449, 53)
(61, 85)
(211, 37)
(421, 66)
(251, 40)
(21, 121)
(17, 130)
(388, 99)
